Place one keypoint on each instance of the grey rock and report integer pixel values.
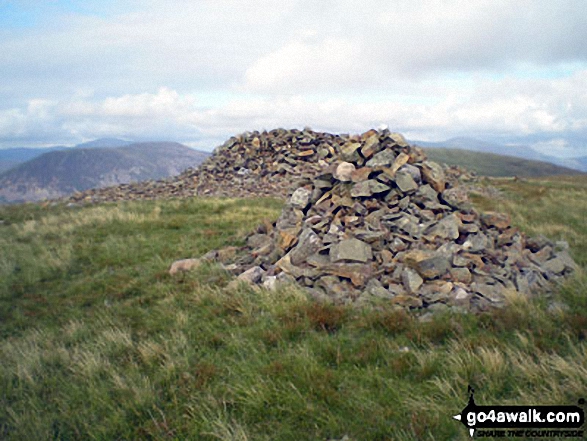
(405, 182)
(494, 293)
(344, 171)
(477, 242)
(433, 267)
(382, 159)
(462, 275)
(413, 171)
(447, 228)
(252, 275)
(351, 250)
(361, 189)
(258, 240)
(411, 280)
(300, 198)
(308, 244)
(556, 265)
(184, 265)
(433, 174)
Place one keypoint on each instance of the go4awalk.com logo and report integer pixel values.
(523, 421)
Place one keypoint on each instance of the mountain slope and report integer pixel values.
(490, 164)
(60, 173)
(104, 143)
(515, 150)
(12, 157)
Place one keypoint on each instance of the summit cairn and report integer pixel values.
(377, 222)
(252, 164)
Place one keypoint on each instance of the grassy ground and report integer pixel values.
(99, 342)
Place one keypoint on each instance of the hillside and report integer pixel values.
(491, 164)
(98, 341)
(517, 148)
(11, 157)
(60, 173)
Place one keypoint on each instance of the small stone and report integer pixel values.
(361, 189)
(370, 146)
(382, 159)
(446, 228)
(399, 161)
(411, 280)
(308, 244)
(351, 250)
(377, 187)
(258, 240)
(432, 268)
(285, 265)
(344, 171)
(567, 260)
(300, 198)
(399, 139)
(556, 265)
(358, 273)
(287, 238)
(497, 220)
(413, 171)
(375, 289)
(434, 175)
(184, 265)
(349, 151)
(494, 293)
(462, 275)
(537, 243)
(407, 301)
(361, 174)
(405, 182)
(476, 242)
(252, 275)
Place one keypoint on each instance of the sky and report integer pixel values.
(200, 71)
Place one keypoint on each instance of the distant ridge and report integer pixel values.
(10, 158)
(491, 164)
(60, 173)
(512, 150)
(104, 143)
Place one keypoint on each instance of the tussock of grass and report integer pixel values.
(102, 343)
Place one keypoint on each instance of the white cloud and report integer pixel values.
(489, 107)
(431, 68)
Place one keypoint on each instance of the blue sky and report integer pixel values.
(199, 71)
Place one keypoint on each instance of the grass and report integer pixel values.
(99, 342)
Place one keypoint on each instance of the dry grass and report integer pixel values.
(100, 343)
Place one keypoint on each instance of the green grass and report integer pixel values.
(99, 342)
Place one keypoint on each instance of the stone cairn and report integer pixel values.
(376, 223)
(252, 164)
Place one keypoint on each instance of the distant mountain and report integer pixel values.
(11, 157)
(519, 151)
(103, 143)
(491, 164)
(59, 173)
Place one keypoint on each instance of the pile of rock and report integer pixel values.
(248, 165)
(381, 223)
(252, 164)
(180, 186)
